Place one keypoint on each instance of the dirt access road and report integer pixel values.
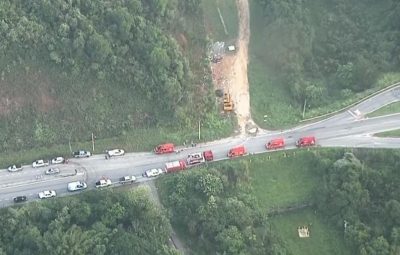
(231, 73)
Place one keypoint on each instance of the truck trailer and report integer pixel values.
(305, 141)
(164, 148)
(175, 166)
(275, 144)
(237, 152)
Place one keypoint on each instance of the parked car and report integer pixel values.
(19, 199)
(14, 168)
(153, 172)
(103, 183)
(115, 152)
(75, 186)
(58, 160)
(82, 154)
(52, 170)
(47, 194)
(127, 179)
(40, 163)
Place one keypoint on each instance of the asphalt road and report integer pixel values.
(347, 129)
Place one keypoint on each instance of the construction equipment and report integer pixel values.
(228, 103)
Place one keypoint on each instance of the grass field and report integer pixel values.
(388, 109)
(268, 97)
(283, 181)
(213, 23)
(272, 106)
(323, 239)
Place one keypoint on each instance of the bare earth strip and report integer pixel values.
(239, 81)
(231, 73)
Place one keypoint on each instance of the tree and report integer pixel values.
(98, 48)
(230, 241)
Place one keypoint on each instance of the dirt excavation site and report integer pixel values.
(230, 72)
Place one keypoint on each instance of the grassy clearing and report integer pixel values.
(323, 239)
(213, 22)
(388, 109)
(270, 103)
(272, 106)
(283, 181)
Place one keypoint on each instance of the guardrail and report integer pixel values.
(353, 104)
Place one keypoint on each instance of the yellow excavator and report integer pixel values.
(228, 103)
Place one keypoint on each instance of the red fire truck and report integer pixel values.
(306, 141)
(164, 148)
(275, 144)
(237, 151)
(175, 166)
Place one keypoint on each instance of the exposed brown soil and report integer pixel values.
(231, 73)
(26, 89)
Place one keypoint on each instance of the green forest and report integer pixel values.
(359, 193)
(322, 52)
(105, 222)
(69, 68)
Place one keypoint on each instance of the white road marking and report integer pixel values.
(352, 114)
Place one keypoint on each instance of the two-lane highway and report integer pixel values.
(342, 130)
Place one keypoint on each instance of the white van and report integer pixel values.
(75, 186)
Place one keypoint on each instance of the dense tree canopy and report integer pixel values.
(360, 194)
(217, 211)
(99, 65)
(326, 47)
(118, 40)
(92, 223)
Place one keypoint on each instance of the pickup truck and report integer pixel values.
(14, 168)
(82, 154)
(103, 183)
(40, 163)
(127, 179)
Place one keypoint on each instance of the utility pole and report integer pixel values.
(304, 107)
(93, 141)
(199, 130)
(69, 142)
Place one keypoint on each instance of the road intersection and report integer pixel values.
(345, 129)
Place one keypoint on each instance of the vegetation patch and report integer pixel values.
(285, 184)
(280, 181)
(216, 212)
(388, 109)
(359, 194)
(95, 222)
(213, 22)
(303, 62)
(324, 237)
(392, 133)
